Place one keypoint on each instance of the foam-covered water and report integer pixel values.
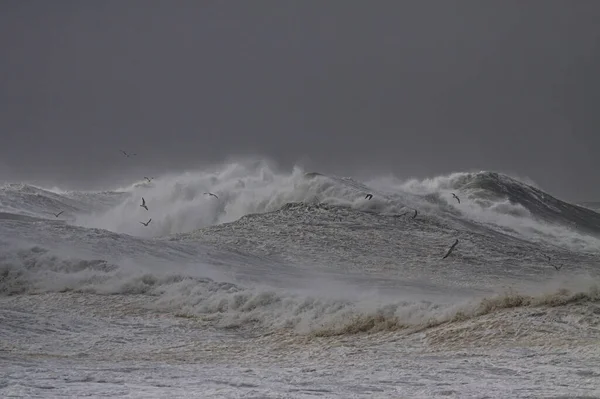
(296, 285)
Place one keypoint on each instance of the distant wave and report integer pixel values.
(490, 188)
(26, 199)
(500, 194)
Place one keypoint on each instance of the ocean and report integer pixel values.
(295, 285)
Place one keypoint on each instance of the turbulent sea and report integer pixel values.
(294, 285)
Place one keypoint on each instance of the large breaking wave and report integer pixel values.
(325, 309)
(178, 204)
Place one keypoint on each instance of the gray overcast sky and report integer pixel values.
(414, 87)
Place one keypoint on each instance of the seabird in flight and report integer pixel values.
(144, 204)
(149, 178)
(415, 215)
(147, 223)
(58, 214)
(451, 249)
(214, 195)
(126, 154)
(369, 196)
(554, 266)
(458, 199)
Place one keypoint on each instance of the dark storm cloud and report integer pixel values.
(418, 88)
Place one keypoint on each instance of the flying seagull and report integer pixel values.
(458, 199)
(368, 196)
(144, 204)
(451, 249)
(57, 214)
(126, 154)
(214, 195)
(554, 266)
(147, 223)
(149, 178)
(415, 215)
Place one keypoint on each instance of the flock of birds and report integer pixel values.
(368, 197)
(143, 205)
(149, 179)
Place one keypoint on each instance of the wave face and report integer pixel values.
(298, 258)
(488, 188)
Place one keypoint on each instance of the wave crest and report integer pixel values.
(178, 203)
(230, 305)
(383, 320)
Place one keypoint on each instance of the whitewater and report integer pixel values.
(292, 284)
